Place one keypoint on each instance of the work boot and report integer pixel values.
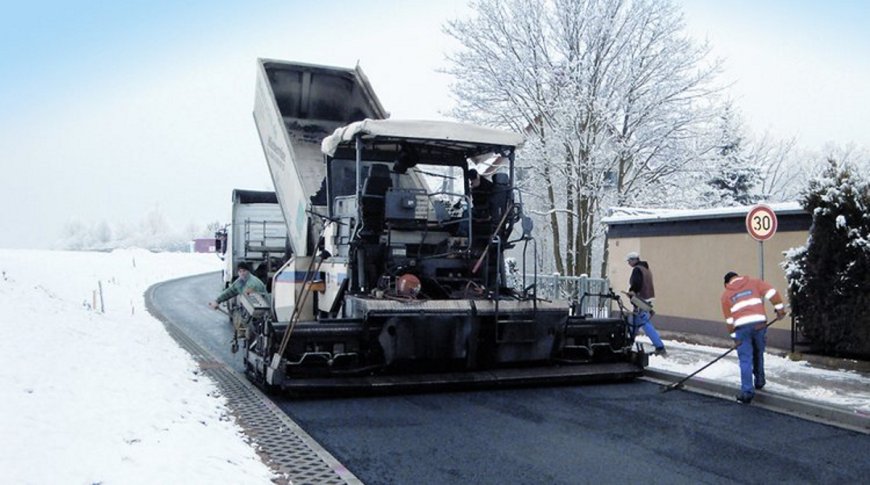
(759, 384)
(744, 398)
(661, 351)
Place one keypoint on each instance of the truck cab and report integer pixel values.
(439, 209)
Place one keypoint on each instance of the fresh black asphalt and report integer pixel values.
(625, 433)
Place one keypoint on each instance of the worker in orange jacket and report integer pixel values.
(743, 308)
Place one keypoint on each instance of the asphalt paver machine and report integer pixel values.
(399, 231)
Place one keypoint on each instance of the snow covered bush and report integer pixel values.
(829, 277)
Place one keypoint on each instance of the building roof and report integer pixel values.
(633, 222)
(631, 215)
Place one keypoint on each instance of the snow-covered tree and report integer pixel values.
(787, 171)
(735, 172)
(614, 98)
(740, 169)
(152, 232)
(213, 227)
(155, 224)
(829, 277)
(782, 176)
(103, 233)
(74, 235)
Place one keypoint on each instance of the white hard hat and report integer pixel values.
(632, 255)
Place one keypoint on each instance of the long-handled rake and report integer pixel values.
(679, 384)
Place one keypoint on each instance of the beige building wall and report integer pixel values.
(688, 271)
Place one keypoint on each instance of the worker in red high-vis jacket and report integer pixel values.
(743, 308)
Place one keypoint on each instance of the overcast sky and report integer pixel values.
(109, 110)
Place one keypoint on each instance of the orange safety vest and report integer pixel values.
(743, 303)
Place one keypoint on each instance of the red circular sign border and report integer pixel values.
(759, 208)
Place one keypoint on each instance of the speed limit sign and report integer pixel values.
(761, 222)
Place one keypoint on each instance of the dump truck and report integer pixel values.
(256, 235)
(398, 232)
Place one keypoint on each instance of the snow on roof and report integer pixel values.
(421, 130)
(631, 215)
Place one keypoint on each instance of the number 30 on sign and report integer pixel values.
(761, 222)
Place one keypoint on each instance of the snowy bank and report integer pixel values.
(92, 397)
(848, 390)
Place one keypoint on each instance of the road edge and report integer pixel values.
(816, 412)
(234, 386)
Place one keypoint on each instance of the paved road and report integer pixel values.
(185, 302)
(628, 433)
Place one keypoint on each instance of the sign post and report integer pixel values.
(761, 225)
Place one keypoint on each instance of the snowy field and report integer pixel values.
(91, 397)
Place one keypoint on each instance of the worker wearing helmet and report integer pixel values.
(743, 308)
(641, 286)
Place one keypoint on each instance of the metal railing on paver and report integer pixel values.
(582, 290)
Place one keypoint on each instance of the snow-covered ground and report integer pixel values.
(845, 389)
(108, 397)
(90, 397)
